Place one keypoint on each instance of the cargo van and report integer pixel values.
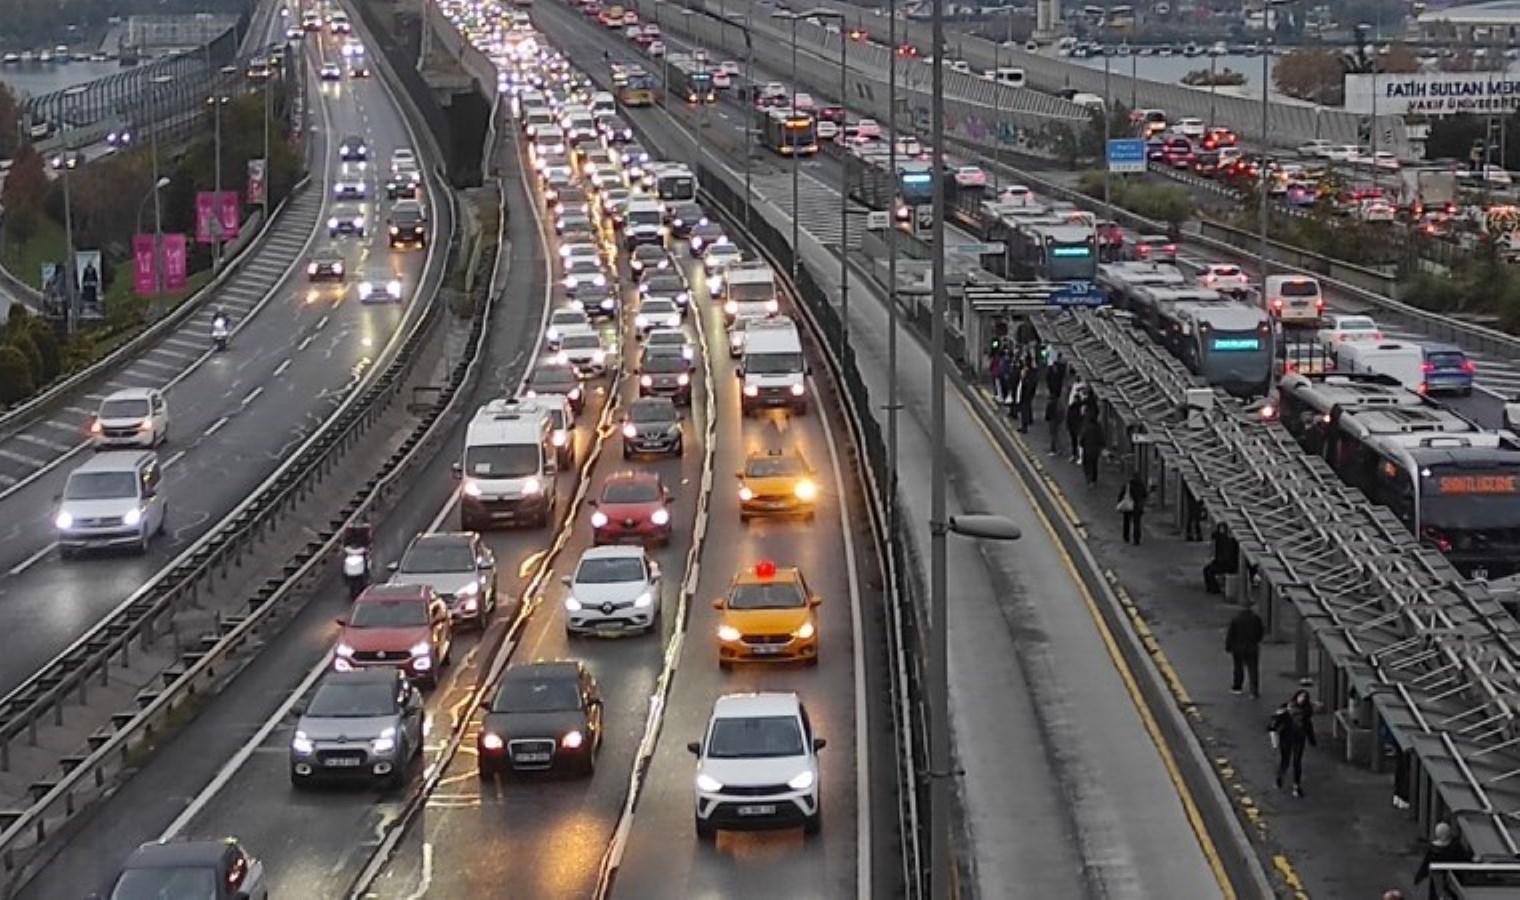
(1294, 299)
(771, 369)
(643, 223)
(507, 472)
(1396, 359)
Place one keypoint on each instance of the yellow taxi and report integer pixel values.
(767, 616)
(777, 483)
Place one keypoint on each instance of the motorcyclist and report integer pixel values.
(357, 539)
(220, 329)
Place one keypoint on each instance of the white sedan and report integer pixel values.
(970, 176)
(657, 49)
(1223, 277)
(1341, 328)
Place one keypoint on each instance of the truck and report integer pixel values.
(1427, 189)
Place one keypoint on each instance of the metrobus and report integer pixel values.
(674, 182)
(692, 83)
(1049, 252)
(789, 132)
(637, 89)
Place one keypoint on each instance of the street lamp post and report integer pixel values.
(1266, 173)
(796, 165)
(892, 401)
(1108, 117)
(64, 164)
(158, 207)
(844, 204)
(217, 101)
(152, 194)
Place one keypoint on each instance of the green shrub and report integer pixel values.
(49, 353)
(15, 375)
(22, 340)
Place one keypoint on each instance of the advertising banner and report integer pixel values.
(176, 262)
(205, 216)
(144, 265)
(256, 183)
(1434, 93)
(91, 288)
(230, 210)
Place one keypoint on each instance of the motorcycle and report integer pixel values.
(220, 332)
(356, 560)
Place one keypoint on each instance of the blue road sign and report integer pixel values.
(1126, 155)
(1078, 293)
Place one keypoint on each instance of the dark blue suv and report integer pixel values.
(1447, 370)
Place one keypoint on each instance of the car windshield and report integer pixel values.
(644, 216)
(100, 485)
(166, 883)
(1446, 359)
(584, 266)
(568, 317)
(501, 460)
(646, 413)
(433, 556)
(388, 614)
(649, 255)
(664, 363)
(523, 694)
(353, 700)
(666, 284)
(553, 380)
(773, 466)
(658, 307)
(632, 490)
(1300, 289)
(582, 342)
(755, 736)
(1356, 325)
(769, 595)
(772, 363)
(124, 409)
(610, 570)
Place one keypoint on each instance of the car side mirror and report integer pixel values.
(551, 465)
(819, 744)
(342, 622)
(564, 580)
(457, 470)
(666, 492)
(57, 498)
(654, 569)
(593, 502)
(718, 604)
(299, 709)
(695, 747)
(738, 371)
(814, 600)
(393, 568)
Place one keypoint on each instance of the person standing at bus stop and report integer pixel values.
(1242, 640)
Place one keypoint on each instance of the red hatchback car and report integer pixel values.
(397, 626)
(633, 508)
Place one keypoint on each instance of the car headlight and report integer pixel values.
(564, 251)
(531, 486)
(709, 784)
(64, 520)
(798, 389)
(133, 516)
(332, 222)
(572, 604)
(468, 590)
(630, 431)
(751, 390)
(472, 488)
(731, 307)
(806, 631)
(729, 633)
(598, 519)
(646, 380)
(801, 782)
(572, 740)
(366, 288)
(492, 741)
(560, 437)
(683, 379)
(337, 268)
(393, 288)
(561, 357)
(311, 268)
(386, 742)
(421, 648)
(575, 394)
(746, 494)
(644, 600)
(301, 743)
(344, 650)
(660, 517)
(358, 222)
(806, 490)
(683, 298)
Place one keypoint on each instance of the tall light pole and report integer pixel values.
(63, 164)
(158, 207)
(152, 194)
(892, 401)
(268, 168)
(939, 667)
(216, 102)
(844, 203)
(796, 163)
(1108, 117)
(1266, 169)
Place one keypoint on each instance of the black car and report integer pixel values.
(325, 265)
(401, 187)
(545, 716)
(353, 149)
(616, 130)
(557, 378)
(408, 226)
(596, 302)
(648, 259)
(652, 425)
(574, 222)
(704, 237)
(346, 219)
(358, 68)
(214, 869)
(683, 217)
(668, 285)
(665, 375)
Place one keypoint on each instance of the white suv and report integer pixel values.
(135, 417)
(757, 768)
(614, 590)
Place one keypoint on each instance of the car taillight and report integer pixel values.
(1277, 304)
(1467, 366)
(1427, 367)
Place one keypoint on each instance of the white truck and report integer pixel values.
(771, 370)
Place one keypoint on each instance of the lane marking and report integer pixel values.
(32, 560)
(41, 442)
(22, 458)
(252, 395)
(425, 880)
(280, 369)
(216, 426)
(306, 342)
(322, 322)
(175, 458)
(230, 770)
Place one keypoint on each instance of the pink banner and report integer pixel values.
(231, 212)
(205, 215)
(176, 252)
(144, 266)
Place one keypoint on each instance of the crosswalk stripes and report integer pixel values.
(818, 207)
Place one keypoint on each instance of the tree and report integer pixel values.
(1311, 74)
(15, 375)
(1399, 60)
(26, 190)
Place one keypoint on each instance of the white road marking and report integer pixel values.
(209, 792)
(216, 426)
(253, 395)
(32, 560)
(22, 458)
(425, 880)
(306, 342)
(322, 322)
(174, 459)
(280, 369)
(40, 442)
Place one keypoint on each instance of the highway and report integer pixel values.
(296, 351)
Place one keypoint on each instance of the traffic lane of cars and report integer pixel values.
(233, 421)
(664, 856)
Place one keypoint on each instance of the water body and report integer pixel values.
(35, 79)
(1171, 69)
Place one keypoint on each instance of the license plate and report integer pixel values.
(768, 649)
(343, 762)
(610, 626)
(768, 809)
(502, 515)
(532, 757)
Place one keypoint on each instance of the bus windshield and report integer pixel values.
(1458, 501)
(1071, 261)
(1238, 361)
(676, 187)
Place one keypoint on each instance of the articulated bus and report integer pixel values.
(637, 89)
(691, 82)
(788, 132)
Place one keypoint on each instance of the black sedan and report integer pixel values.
(648, 259)
(665, 375)
(557, 378)
(684, 217)
(401, 187)
(214, 869)
(353, 149)
(704, 237)
(545, 716)
(670, 285)
(325, 265)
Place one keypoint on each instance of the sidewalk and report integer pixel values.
(1343, 839)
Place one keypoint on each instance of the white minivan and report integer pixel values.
(111, 501)
(507, 472)
(134, 417)
(1294, 299)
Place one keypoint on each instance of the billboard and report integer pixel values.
(144, 265)
(176, 262)
(217, 216)
(205, 216)
(256, 183)
(230, 211)
(1435, 93)
(92, 289)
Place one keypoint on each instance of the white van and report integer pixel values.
(771, 370)
(749, 288)
(1294, 299)
(508, 468)
(1090, 101)
(111, 501)
(1396, 359)
(643, 222)
(1013, 76)
(134, 417)
(603, 105)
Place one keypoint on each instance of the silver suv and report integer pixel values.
(459, 566)
(365, 724)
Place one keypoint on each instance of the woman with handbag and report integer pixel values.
(1292, 728)
(1132, 505)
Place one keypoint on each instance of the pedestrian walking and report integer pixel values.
(995, 372)
(1292, 729)
(1226, 559)
(1131, 504)
(1076, 411)
(1007, 376)
(1029, 385)
(1242, 640)
(1443, 848)
(1092, 440)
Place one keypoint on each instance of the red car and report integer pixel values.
(397, 626)
(833, 114)
(633, 508)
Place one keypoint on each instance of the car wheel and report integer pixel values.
(588, 764)
(724, 665)
(705, 830)
(627, 454)
(743, 518)
(814, 823)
